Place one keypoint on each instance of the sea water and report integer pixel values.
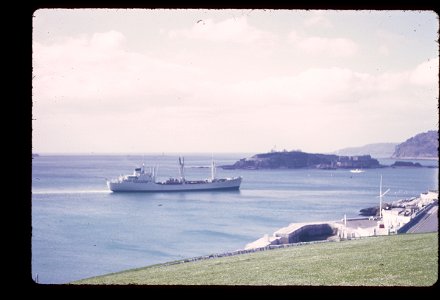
(80, 229)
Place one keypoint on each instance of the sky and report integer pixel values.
(178, 80)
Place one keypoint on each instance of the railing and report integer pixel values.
(414, 220)
(245, 251)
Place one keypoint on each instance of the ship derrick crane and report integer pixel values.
(182, 169)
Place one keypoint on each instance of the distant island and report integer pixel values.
(378, 150)
(298, 159)
(406, 164)
(421, 146)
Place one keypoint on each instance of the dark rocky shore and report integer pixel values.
(406, 164)
(298, 159)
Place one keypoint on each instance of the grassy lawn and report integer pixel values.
(398, 260)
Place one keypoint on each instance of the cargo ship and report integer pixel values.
(145, 181)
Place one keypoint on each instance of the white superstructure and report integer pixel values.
(145, 181)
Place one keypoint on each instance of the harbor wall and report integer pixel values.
(311, 232)
(297, 233)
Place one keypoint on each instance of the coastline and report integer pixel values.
(266, 207)
(402, 214)
(415, 158)
(287, 237)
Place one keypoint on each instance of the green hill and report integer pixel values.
(423, 145)
(398, 260)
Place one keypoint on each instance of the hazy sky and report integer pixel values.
(231, 80)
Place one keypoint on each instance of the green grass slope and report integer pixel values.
(398, 260)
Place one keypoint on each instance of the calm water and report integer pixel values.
(80, 229)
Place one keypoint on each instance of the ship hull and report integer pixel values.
(230, 184)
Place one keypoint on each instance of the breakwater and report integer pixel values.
(298, 234)
(395, 219)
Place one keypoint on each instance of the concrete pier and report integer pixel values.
(297, 232)
(394, 220)
(316, 231)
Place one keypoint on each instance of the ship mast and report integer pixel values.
(154, 173)
(212, 169)
(181, 168)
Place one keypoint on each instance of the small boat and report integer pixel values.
(357, 171)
